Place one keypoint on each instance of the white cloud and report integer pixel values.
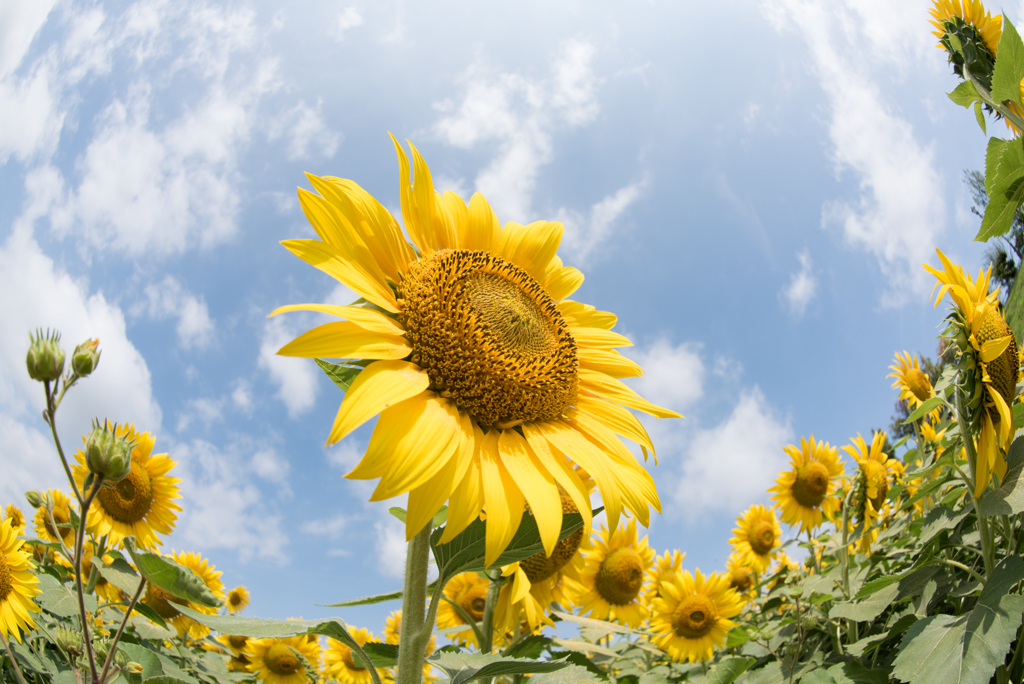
(583, 235)
(390, 546)
(169, 299)
(327, 527)
(674, 375)
(241, 396)
(206, 410)
(19, 24)
(346, 20)
(29, 461)
(306, 131)
(728, 467)
(346, 454)
(295, 378)
(802, 287)
(268, 465)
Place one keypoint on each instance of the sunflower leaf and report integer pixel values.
(927, 407)
(381, 655)
(171, 577)
(1004, 160)
(729, 669)
(120, 574)
(1009, 69)
(342, 375)
(577, 673)
(965, 94)
(463, 667)
(1008, 499)
(379, 598)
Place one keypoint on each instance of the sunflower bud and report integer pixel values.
(86, 357)
(69, 641)
(108, 454)
(34, 498)
(45, 358)
(133, 667)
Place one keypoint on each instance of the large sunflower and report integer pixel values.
(469, 591)
(804, 494)
(17, 584)
(164, 603)
(488, 381)
(692, 615)
(61, 517)
(141, 505)
(871, 489)
(915, 387)
(756, 537)
(615, 570)
(290, 660)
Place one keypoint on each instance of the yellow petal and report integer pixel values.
(578, 315)
(531, 247)
(410, 212)
(484, 229)
(439, 234)
(536, 484)
(331, 262)
(503, 501)
(614, 390)
(596, 338)
(346, 340)
(425, 501)
(564, 475)
(458, 213)
(466, 503)
(379, 386)
(520, 586)
(617, 419)
(563, 282)
(386, 231)
(370, 319)
(993, 349)
(609, 362)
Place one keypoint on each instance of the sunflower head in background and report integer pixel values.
(912, 382)
(164, 604)
(756, 537)
(692, 616)
(64, 530)
(489, 382)
(468, 590)
(742, 576)
(291, 660)
(17, 518)
(616, 568)
(665, 568)
(238, 600)
(871, 486)
(969, 35)
(18, 584)
(805, 494)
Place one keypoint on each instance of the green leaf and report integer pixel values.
(144, 657)
(965, 94)
(1009, 69)
(737, 636)
(1008, 499)
(1005, 161)
(366, 600)
(599, 626)
(463, 667)
(855, 673)
(171, 577)
(163, 679)
(148, 630)
(869, 608)
(342, 375)
(584, 647)
(943, 649)
(60, 600)
(979, 114)
(530, 647)
(381, 655)
(927, 407)
(573, 674)
(121, 575)
(439, 518)
(577, 659)
(729, 669)
(938, 519)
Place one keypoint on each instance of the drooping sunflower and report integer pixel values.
(877, 474)
(756, 537)
(469, 591)
(469, 329)
(915, 387)
(343, 665)
(61, 517)
(692, 615)
(742, 576)
(804, 494)
(665, 568)
(18, 585)
(142, 504)
(989, 353)
(615, 568)
(289, 660)
(17, 518)
(956, 16)
(163, 603)
(238, 600)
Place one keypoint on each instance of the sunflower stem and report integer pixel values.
(966, 436)
(414, 601)
(10, 655)
(493, 589)
(79, 545)
(49, 416)
(120, 630)
(844, 559)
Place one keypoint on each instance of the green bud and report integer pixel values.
(133, 667)
(45, 358)
(69, 641)
(86, 357)
(34, 498)
(121, 658)
(108, 454)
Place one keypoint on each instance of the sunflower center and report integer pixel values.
(1003, 370)
(160, 601)
(620, 576)
(129, 500)
(474, 601)
(238, 642)
(489, 337)
(539, 567)
(694, 617)
(281, 660)
(875, 478)
(919, 384)
(811, 484)
(350, 662)
(762, 538)
(742, 579)
(6, 579)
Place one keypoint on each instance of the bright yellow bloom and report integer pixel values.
(141, 505)
(742, 575)
(235, 644)
(614, 572)
(756, 536)
(238, 600)
(666, 567)
(873, 484)
(17, 518)
(469, 591)
(915, 387)
(163, 603)
(804, 494)
(17, 584)
(692, 615)
(469, 328)
(342, 664)
(61, 516)
(291, 660)
(973, 13)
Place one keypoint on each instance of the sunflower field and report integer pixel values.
(501, 415)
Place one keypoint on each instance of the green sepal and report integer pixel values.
(341, 375)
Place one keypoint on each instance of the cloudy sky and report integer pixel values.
(751, 187)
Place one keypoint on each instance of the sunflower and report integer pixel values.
(290, 660)
(615, 570)
(665, 568)
(469, 591)
(692, 615)
(949, 15)
(871, 488)
(756, 537)
(238, 600)
(163, 603)
(742, 576)
(17, 584)
(392, 633)
(62, 518)
(804, 494)
(17, 518)
(141, 505)
(915, 387)
(783, 563)
(235, 644)
(340, 663)
(469, 329)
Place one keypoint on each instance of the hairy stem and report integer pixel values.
(493, 589)
(79, 546)
(51, 411)
(414, 600)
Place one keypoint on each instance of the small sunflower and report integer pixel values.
(62, 518)
(692, 615)
(742, 576)
(235, 644)
(469, 591)
(470, 329)
(666, 567)
(238, 600)
(239, 663)
(290, 660)
(614, 572)
(804, 494)
(163, 603)
(871, 489)
(142, 504)
(915, 387)
(783, 563)
(17, 518)
(756, 537)
(342, 664)
(17, 584)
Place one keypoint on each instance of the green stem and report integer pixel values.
(493, 589)
(814, 556)
(51, 410)
(120, 630)
(844, 559)
(986, 95)
(967, 438)
(414, 603)
(10, 654)
(961, 566)
(79, 545)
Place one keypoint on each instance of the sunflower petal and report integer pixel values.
(379, 386)
(370, 319)
(503, 501)
(566, 477)
(458, 212)
(579, 315)
(619, 420)
(614, 390)
(484, 228)
(531, 247)
(993, 349)
(438, 233)
(596, 338)
(563, 282)
(332, 262)
(465, 504)
(384, 228)
(346, 340)
(609, 362)
(536, 484)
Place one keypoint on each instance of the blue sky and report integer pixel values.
(750, 186)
